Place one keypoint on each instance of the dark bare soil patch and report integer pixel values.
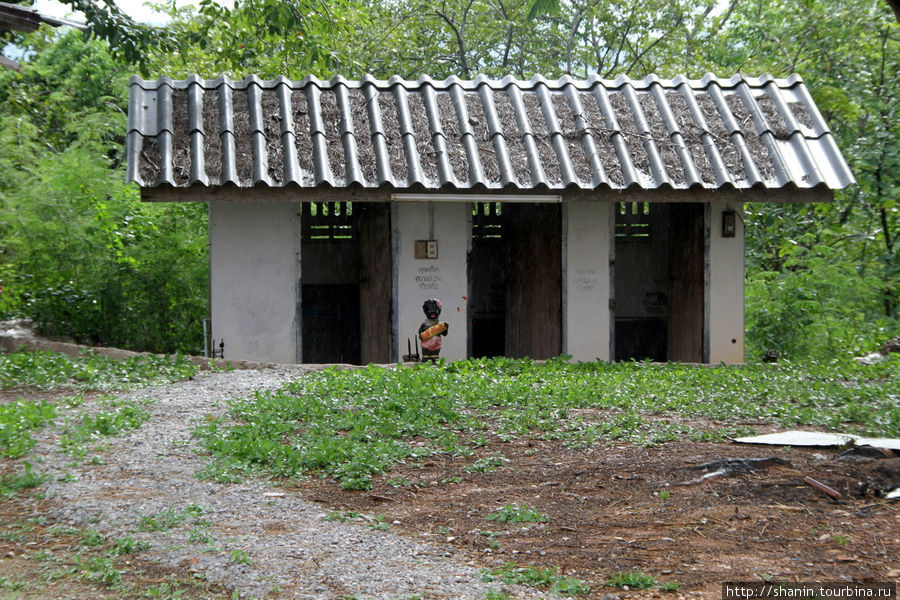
(623, 507)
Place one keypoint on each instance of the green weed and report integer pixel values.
(49, 370)
(669, 586)
(11, 483)
(635, 580)
(124, 418)
(517, 513)
(488, 464)
(492, 541)
(128, 545)
(351, 425)
(97, 569)
(379, 523)
(170, 518)
(92, 538)
(533, 576)
(18, 420)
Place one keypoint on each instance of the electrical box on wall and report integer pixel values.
(426, 249)
(729, 224)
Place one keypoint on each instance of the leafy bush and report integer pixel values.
(82, 255)
(814, 311)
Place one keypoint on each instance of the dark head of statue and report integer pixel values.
(432, 308)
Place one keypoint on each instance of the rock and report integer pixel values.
(870, 359)
(892, 345)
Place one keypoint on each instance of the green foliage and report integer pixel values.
(635, 580)
(130, 41)
(638, 580)
(353, 424)
(128, 545)
(488, 464)
(81, 255)
(18, 420)
(105, 423)
(49, 370)
(96, 569)
(816, 307)
(517, 513)
(533, 576)
(829, 272)
(171, 518)
(11, 483)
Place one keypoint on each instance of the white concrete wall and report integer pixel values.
(255, 279)
(587, 230)
(725, 289)
(445, 278)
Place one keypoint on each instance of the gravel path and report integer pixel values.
(260, 544)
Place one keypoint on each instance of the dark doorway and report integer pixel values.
(659, 271)
(515, 294)
(346, 280)
(686, 281)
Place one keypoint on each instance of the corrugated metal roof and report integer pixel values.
(481, 134)
(16, 17)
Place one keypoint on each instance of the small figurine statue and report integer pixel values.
(431, 330)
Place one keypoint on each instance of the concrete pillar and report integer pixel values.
(587, 239)
(254, 251)
(725, 286)
(445, 277)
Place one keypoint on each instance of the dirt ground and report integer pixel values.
(609, 508)
(621, 507)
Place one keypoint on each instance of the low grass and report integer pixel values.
(18, 420)
(50, 370)
(517, 513)
(353, 424)
(540, 577)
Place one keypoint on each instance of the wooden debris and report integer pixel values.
(822, 487)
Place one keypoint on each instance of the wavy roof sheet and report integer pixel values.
(482, 134)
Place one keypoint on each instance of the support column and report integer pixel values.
(725, 286)
(587, 238)
(254, 253)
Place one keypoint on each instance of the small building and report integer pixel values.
(594, 218)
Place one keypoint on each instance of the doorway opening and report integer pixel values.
(659, 281)
(346, 282)
(515, 292)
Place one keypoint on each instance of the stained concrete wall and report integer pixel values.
(587, 235)
(445, 278)
(725, 287)
(255, 279)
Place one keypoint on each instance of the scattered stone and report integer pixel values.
(891, 346)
